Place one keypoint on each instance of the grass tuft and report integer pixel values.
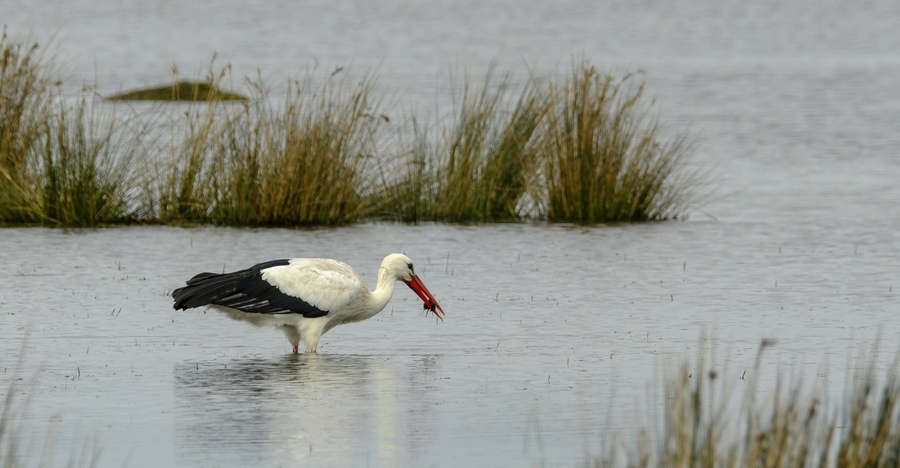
(603, 159)
(27, 78)
(485, 153)
(702, 427)
(63, 162)
(582, 148)
(475, 167)
(579, 149)
(300, 162)
(82, 171)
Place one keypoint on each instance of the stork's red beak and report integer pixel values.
(431, 303)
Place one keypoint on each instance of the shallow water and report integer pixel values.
(549, 328)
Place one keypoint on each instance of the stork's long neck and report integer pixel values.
(383, 290)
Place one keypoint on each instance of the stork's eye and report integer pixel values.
(409, 265)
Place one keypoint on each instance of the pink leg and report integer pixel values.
(296, 350)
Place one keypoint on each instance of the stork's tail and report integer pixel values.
(204, 289)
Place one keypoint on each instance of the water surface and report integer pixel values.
(548, 329)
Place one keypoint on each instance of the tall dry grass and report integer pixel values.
(178, 189)
(26, 108)
(704, 427)
(64, 161)
(603, 158)
(486, 152)
(83, 171)
(581, 147)
(474, 165)
(406, 186)
(27, 79)
(298, 162)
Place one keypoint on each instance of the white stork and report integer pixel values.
(306, 297)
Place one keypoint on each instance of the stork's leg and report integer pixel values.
(312, 329)
(293, 335)
(311, 344)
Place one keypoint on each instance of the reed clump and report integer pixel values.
(26, 109)
(603, 158)
(298, 162)
(475, 165)
(78, 173)
(581, 147)
(63, 160)
(703, 428)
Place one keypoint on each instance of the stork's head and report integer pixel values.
(401, 267)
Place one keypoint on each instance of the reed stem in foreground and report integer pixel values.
(702, 427)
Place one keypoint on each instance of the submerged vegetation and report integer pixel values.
(179, 91)
(580, 147)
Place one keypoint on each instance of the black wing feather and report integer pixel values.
(244, 290)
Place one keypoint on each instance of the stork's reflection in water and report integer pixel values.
(328, 409)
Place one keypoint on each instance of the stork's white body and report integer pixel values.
(305, 297)
(325, 284)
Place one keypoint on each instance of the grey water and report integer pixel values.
(556, 337)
